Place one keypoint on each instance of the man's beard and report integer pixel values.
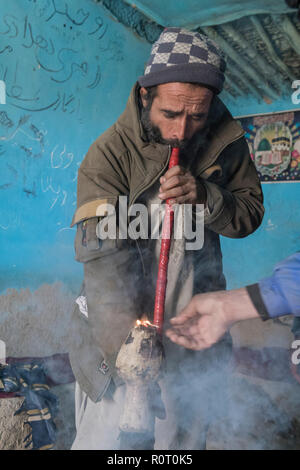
(154, 135)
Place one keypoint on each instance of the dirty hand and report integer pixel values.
(208, 316)
(201, 324)
(182, 187)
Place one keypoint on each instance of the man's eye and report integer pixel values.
(198, 118)
(169, 116)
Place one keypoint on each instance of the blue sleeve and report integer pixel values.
(281, 292)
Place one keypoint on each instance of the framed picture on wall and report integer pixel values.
(274, 143)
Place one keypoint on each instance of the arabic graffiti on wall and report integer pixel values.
(62, 63)
(49, 38)
(274, 143)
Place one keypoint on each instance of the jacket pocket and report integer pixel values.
(87, 244)
(88, 362)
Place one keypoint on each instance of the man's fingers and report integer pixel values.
(179, 185)
(188, 312)
(176, 170)
(189, 328)
(175, 192)
(188, 198)
(181, 330)
(177, 180)
(189, 342)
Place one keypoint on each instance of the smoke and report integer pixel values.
(256, 418)
(65, 420)
(208, 403)
(217, 407)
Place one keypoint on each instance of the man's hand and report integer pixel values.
(208, 316)
(201, 324)
(182, 187)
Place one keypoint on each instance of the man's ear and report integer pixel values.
(143, 94)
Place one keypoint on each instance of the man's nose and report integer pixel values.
(180, 130)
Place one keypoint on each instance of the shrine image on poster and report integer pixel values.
(274, 144)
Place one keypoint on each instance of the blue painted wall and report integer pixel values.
(247, 260)
(68, 68)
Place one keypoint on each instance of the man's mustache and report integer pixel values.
(181, 144)
(154, 134)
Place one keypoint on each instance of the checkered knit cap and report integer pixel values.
(180, 55)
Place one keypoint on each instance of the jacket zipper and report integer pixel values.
(155, 179)
(138, 194)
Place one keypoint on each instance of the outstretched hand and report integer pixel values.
(201, 324)
(208, 316)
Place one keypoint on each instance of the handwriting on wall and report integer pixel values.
(50, 37)
(53, 54)
(24, 145)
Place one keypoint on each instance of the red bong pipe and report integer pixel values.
(162, 277)
(139, 360)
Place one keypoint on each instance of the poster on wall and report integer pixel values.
(274, 143)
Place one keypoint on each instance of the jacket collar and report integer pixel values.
(130, 123)
(223, 130)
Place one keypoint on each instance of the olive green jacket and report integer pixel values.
(122, 162)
